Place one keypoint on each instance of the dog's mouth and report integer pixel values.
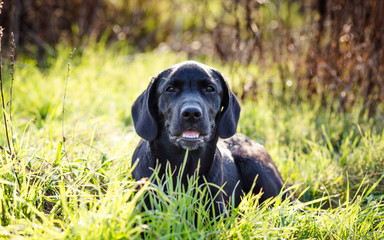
(189, 139)
(190, 135)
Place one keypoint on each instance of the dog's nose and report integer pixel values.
(191, 113)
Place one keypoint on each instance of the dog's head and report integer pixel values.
(190, 103)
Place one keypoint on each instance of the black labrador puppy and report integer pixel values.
(190, 107)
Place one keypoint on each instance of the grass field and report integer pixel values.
(81, 188)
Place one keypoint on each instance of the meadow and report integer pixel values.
(66, 171)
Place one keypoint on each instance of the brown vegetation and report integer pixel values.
(336, 47)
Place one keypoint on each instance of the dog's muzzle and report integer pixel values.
(190, 127)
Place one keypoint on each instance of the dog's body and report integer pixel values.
(190, 107)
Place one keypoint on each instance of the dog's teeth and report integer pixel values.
(190, 134)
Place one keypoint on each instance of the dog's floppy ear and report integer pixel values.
(230, 113)
(143, 113)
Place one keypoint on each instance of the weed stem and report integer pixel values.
(2, 94)
(65, 93)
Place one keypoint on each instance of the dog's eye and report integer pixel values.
(171, 89)
(210, 89)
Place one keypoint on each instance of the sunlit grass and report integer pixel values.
(82, 188)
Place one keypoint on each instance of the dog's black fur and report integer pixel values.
(190, 106)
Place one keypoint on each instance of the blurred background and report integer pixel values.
(328, 50)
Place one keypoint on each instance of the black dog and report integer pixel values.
(190, 107)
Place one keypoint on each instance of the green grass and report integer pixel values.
(82, 188)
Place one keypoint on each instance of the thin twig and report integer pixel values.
(12, 72)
